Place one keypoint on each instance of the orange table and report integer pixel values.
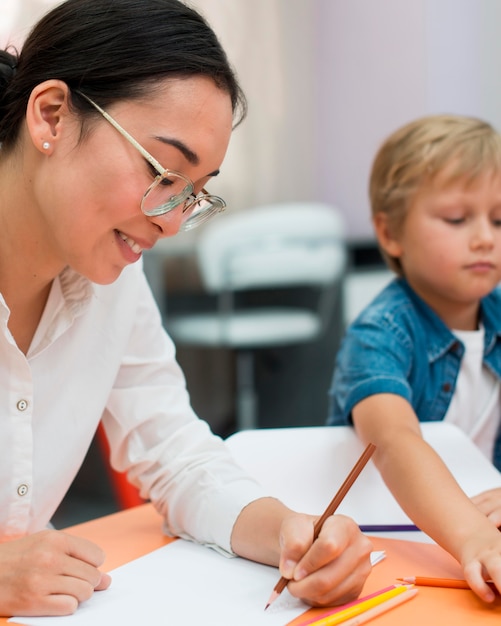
(132, 533)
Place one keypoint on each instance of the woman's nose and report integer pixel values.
(169, 223)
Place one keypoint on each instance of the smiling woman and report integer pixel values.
(113, 118)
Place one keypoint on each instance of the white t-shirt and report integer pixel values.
(475, 406)
(101, 352)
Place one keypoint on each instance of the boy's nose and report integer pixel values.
(483, 234)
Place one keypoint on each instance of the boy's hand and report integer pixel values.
(48, 573)
(489, 503)
(481, 561)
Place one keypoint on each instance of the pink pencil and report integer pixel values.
(345, 606)
(382, 608)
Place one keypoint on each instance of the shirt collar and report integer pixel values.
(440, 337)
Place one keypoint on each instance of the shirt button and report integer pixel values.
(22, 405)
(446, 387)
(22, 490)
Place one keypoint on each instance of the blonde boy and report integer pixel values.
(429, 346)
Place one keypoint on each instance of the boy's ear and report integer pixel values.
(387, 239)
(46, 114)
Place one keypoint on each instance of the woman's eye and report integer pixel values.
(155, 174)
(454, 220)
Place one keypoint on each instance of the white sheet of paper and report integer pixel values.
(185, 583)
(305, 466)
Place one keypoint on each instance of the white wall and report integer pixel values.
(328, 80)
(382, 63)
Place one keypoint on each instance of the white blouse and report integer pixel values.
(101, 352)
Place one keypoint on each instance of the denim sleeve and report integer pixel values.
(375, 357)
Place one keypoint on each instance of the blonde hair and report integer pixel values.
(416, 153)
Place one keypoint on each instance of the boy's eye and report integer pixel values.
(454, 220)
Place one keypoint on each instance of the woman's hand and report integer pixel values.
(331, 570)
(48, 573)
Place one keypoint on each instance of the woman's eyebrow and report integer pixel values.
(189, 155)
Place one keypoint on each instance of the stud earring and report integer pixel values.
(46, 145)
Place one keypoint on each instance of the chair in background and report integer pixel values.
(359, 289)
(274, 247)
(125, 494)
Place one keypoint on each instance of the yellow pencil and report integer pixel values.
(376, 611)
(357, 609)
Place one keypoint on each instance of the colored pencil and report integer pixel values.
(341, 607)
(382, 608)
(380, 528)
(426, 581)
(358, 609)
(333, 505)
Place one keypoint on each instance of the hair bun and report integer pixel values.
(8, 66)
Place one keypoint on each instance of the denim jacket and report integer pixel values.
(399, 345)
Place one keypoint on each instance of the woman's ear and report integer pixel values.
(386, 236)
(46, 113)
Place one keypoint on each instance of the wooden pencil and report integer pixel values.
(427, 581)
(380, 609)
(360, 609)
(333, 505)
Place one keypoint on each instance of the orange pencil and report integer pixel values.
(333, 505)
(426, 581)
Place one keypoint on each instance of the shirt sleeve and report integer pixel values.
(167, 451)
(375, 357)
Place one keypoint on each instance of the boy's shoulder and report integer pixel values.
(393, 301)
(397, 311)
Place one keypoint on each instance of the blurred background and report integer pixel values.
(326, 81)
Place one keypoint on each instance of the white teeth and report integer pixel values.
(135, 247)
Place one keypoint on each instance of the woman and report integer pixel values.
(114, 117)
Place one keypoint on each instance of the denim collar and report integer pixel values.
(440, 337)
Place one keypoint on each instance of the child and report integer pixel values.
(429, 346)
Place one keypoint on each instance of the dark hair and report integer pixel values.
(112, 50)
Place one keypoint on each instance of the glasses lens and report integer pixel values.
(166, 193)
(201, 209)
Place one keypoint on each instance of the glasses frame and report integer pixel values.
(187, 196)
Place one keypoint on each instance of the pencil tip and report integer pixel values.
(273, 597)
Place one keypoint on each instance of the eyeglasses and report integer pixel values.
(170, 189)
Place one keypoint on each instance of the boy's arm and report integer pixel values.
(427, 491)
